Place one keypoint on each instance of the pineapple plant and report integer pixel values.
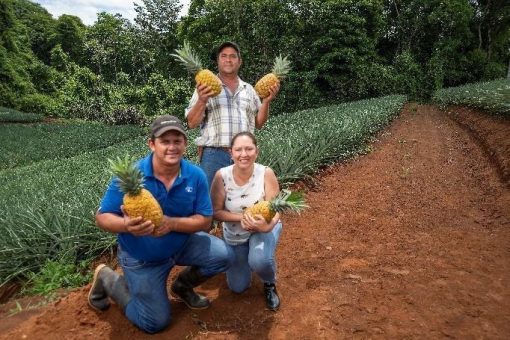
(193, 64)
(280, 69)
(284, 201)
(137, 200)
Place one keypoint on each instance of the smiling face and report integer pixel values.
(229, 61)
(168, 148)
(244, 151)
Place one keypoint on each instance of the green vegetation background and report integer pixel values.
(119, 71)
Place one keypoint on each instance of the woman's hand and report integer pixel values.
(254, 224)
(137, 226)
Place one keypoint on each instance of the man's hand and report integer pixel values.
(137, 226)
(204, 92)
(168, 225)
(273, 92)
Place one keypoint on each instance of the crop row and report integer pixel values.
(24, 144)
(492, 96)
(48, 206)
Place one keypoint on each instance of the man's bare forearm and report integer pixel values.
(196, 114)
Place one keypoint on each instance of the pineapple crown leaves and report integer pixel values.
(281, 66)
(128, 177)
(287, 200)
(188, 58)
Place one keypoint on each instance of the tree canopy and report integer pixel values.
(340, 50)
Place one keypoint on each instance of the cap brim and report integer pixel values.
(161, 131)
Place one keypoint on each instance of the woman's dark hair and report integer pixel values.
(244, 133)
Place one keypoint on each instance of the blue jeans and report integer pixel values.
(256, 255)
(149, 306)
(212, 160)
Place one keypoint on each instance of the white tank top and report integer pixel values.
(237, 198)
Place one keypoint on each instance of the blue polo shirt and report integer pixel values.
(189, 195)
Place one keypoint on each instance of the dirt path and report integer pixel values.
(409, 241)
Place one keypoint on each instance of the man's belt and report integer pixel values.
(224, 148)
(201, 150)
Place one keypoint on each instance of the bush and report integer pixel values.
(92, 109)
(37, 103)
(494, 70)
(124, 114)
(161, 96)
(409, 75)
(298, 91)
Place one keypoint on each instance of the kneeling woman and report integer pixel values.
(253, 240)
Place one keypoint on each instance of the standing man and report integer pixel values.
(146, 253)
(237, 108)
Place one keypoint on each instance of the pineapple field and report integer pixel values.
(406, 233)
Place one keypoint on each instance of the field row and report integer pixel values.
(48, 206)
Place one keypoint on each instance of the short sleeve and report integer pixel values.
(192, 102)
(255, 102)
(112, 199)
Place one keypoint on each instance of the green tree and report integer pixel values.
(40, 27)
(70, 34)
(109, 46)
(7, 26)
(157, 21)
(15, 57)
(491, 23)
(340, 39)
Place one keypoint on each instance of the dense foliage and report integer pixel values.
(119, 71)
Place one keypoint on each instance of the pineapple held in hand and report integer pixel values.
(137, 200)
(193, 64)
(280, 69)
(285, 201)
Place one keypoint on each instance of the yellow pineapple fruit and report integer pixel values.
(193, 64)
(280, 69)
(284, 201)
(137, 200)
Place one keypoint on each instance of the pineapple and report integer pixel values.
(284, 201)
(193, 64)
(137, 200)
(280, 69)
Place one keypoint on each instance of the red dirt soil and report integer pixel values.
(409, 241)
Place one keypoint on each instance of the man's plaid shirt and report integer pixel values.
(227, 114)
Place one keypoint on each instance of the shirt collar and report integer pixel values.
(241, 82)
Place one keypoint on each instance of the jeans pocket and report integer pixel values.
(129, 262)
